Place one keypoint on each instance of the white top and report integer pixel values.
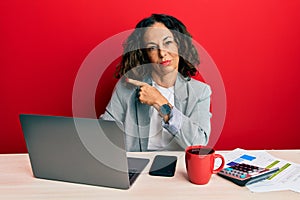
(159, 137)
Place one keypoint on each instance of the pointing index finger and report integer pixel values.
(135, 82)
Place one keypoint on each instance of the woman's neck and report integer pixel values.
(167, 80)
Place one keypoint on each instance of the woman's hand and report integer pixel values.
(148, 94)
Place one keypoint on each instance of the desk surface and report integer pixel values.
(17, 182)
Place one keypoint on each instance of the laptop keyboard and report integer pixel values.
(132, 172)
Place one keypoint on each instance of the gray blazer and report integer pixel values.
(189, 122)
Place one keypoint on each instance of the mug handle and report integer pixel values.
(222, 165)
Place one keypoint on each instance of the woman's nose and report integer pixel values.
(162, 52)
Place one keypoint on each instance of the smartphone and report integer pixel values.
(163, 166)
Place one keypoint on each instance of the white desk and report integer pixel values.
(17, 182)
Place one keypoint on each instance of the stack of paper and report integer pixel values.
(287, 178)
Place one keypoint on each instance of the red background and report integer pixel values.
(255, 45)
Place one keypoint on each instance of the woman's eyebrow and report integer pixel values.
(167, 37)
(153, 43)
(150, 43)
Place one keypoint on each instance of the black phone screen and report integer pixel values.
(163, 166)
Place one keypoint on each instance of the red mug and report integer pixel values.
(200, 162)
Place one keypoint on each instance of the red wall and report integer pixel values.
(255, 45)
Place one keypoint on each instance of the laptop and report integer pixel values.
(79, 150)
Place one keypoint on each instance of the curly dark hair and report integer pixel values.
(135, 54)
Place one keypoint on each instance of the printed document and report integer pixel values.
(286, 178)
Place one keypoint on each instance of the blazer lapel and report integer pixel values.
(181, 93)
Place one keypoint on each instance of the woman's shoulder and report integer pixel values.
(199, 84)
(201, 87)
(196, 84)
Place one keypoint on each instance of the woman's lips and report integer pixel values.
(165, 63)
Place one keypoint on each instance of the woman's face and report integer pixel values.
(162, 49)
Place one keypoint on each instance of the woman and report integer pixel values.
(158, 103)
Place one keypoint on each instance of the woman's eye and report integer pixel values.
(169, 42)
(152, 48)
